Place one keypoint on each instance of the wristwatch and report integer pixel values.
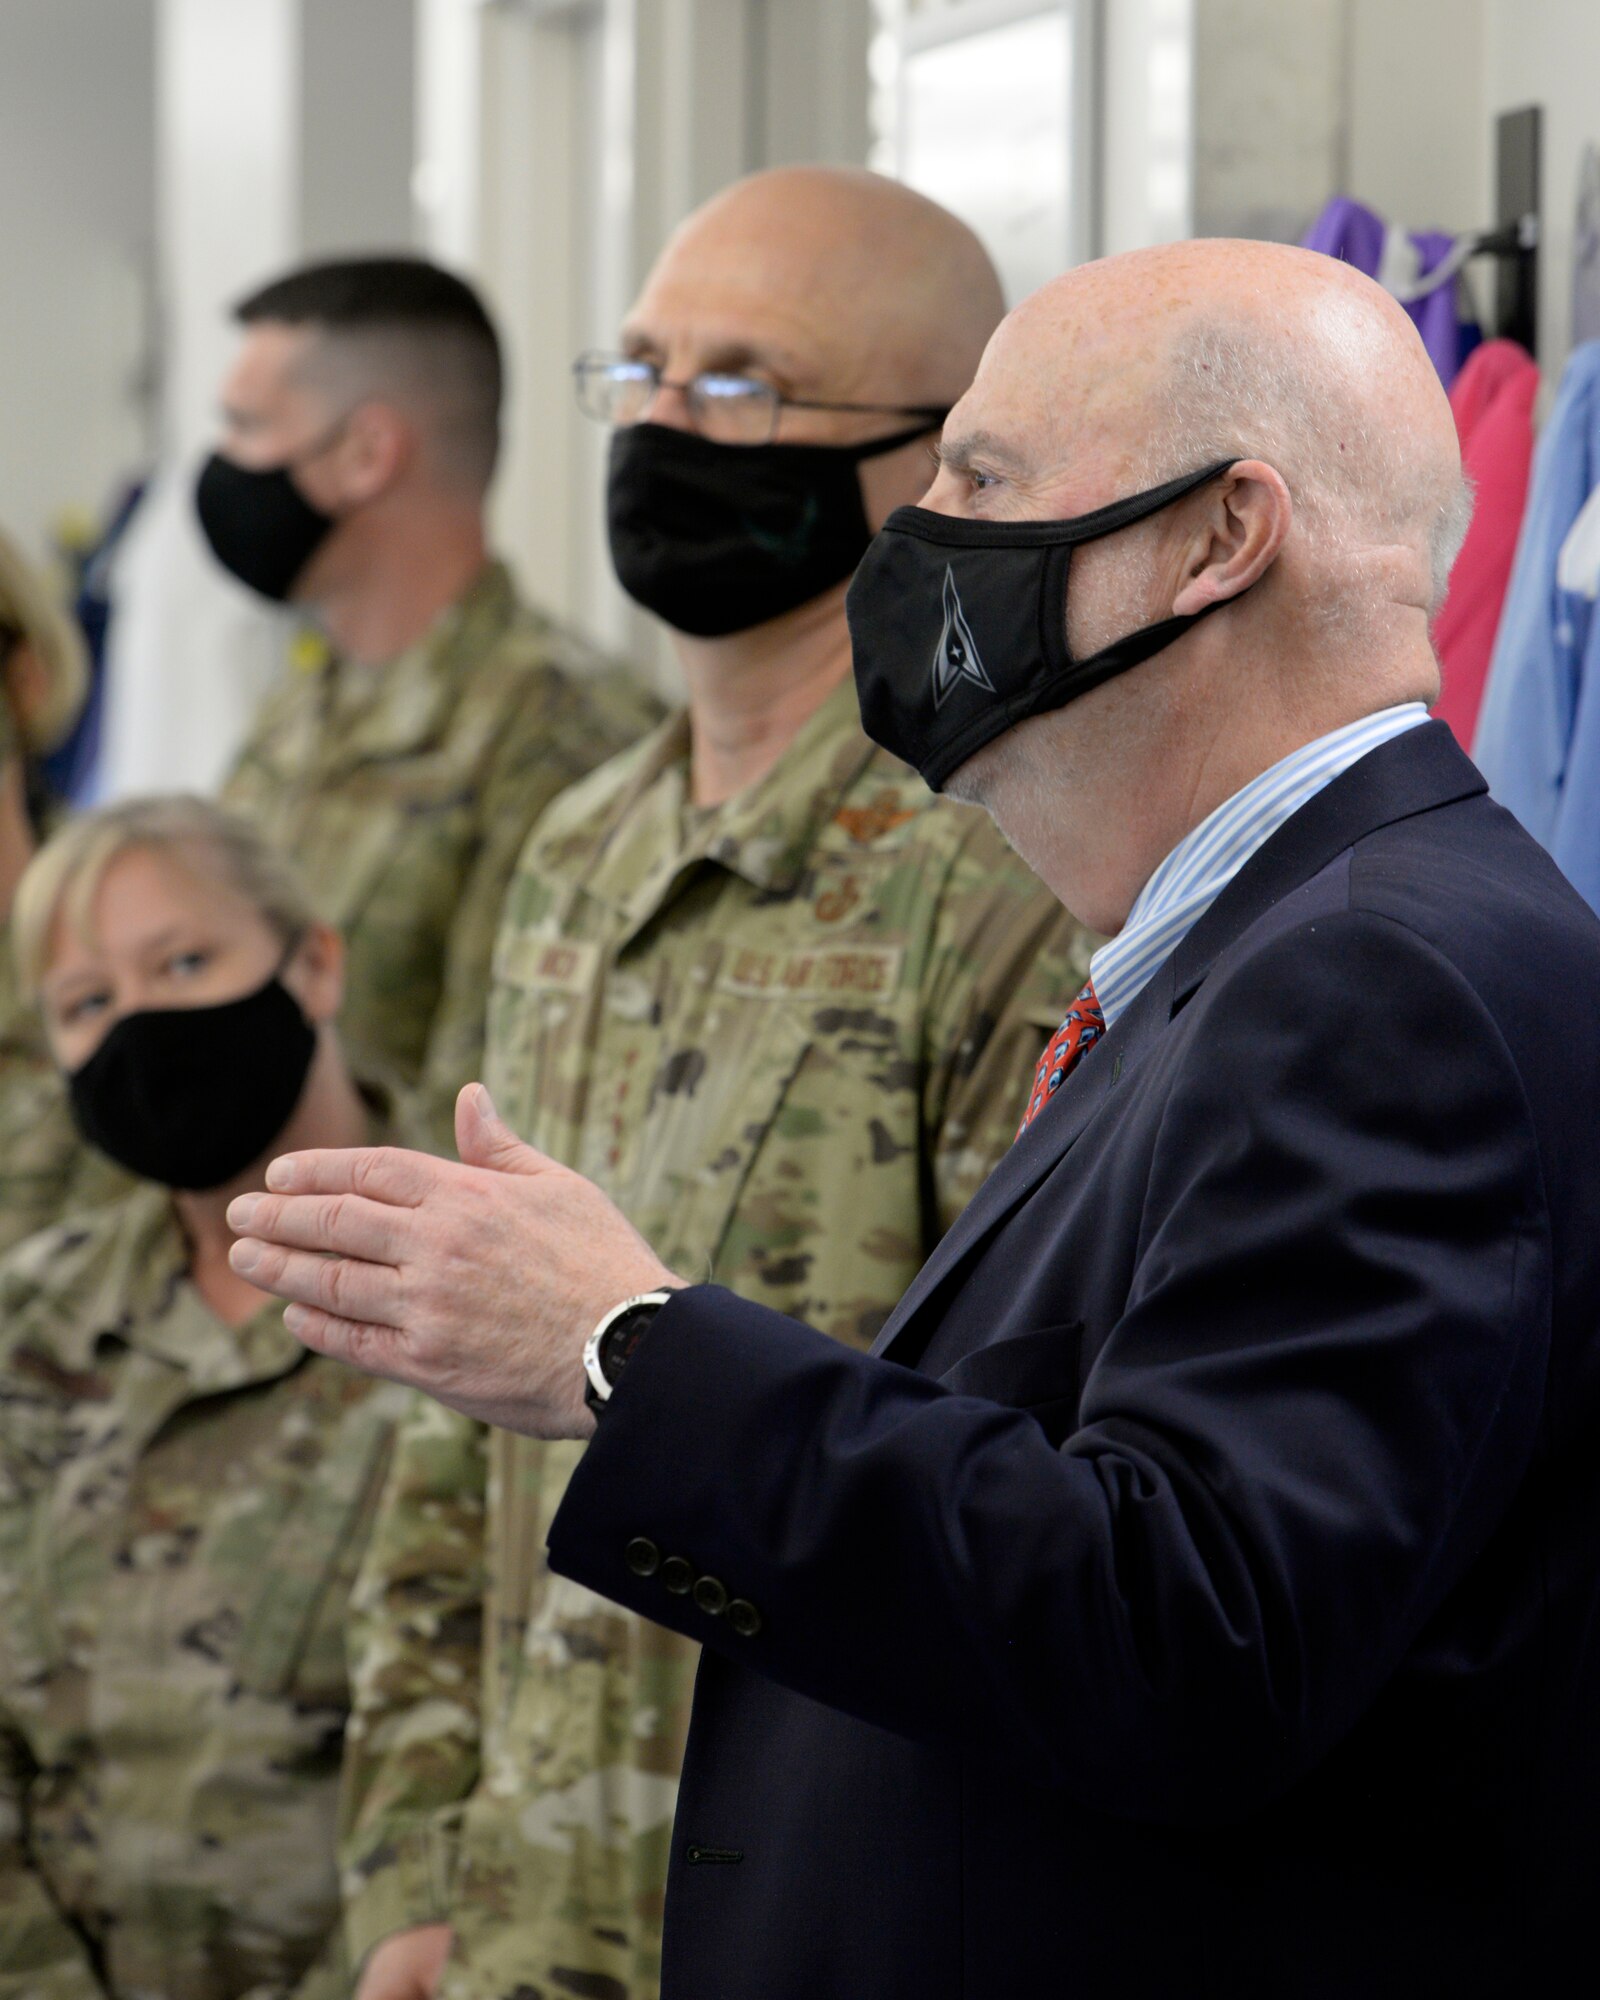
(613, 1343)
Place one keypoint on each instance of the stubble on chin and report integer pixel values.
(1005, 780)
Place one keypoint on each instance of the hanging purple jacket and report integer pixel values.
(1350, 231)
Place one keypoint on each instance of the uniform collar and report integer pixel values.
(19, 1023)
(134, 1254)
(766, 835)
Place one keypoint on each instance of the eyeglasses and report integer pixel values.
(729, 409)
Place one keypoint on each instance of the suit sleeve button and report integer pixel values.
(678, 1576)
(744, 1618)
(642, 1556)
(711, 1596)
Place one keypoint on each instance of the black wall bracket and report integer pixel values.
(1514, 241)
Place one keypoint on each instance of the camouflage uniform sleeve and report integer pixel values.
(1006, 965)
(527, 774)
(328, 1975)
(41, 1956)
(546, 747)
(39, 1152)
(415, 1638)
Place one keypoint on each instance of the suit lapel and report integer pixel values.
(1409, 774)
(1104, 1071)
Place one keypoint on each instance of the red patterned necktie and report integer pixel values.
(1082, 1028)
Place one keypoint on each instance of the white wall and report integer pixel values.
(1147, 124)
(1419, 133)
(1548, 52)
(1269, 114)
(358, 125)
(1381, 99)
(77, 223)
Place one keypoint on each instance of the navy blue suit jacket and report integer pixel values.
(1197, 1593)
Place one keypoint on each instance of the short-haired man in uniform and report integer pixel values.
(781, 1002)
(404, 765)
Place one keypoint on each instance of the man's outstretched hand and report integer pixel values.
(476, 1283)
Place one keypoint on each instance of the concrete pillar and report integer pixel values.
(77, 137)
(275, 139)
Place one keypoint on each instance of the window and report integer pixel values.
(986, 106)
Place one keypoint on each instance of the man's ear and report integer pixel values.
(377, 445)
(1245, 522)
(315, 973)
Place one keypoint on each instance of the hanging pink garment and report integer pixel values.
(1493, 403)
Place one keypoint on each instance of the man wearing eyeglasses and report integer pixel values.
(781, 1002)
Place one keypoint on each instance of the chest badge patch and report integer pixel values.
(956, 655)
(872, 821)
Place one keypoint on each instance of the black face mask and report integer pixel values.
(261, 527)
(959, 628)
(716, 538)
(191, 1096)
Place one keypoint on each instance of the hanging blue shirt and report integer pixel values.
(1538, 740)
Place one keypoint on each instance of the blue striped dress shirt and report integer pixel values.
(1205, 861)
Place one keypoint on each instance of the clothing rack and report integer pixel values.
(1510, 239)
(1513, 241)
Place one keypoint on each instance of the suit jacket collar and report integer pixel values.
(1410, 774)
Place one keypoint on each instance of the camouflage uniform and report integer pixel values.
(405, 794)
(182, 1509)
(790, 1036)
(39, 1151)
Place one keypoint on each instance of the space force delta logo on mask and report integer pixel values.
(956, 657)
(987, 600)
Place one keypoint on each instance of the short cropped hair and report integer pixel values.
(65, 874)
(404, 327)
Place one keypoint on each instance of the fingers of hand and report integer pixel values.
(377, 1349)
(387, 1174)
(347, 1225)
(339, 1285)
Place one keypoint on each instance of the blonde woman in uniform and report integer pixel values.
(184, 1491)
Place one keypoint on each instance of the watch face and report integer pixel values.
(613, 1343)
(621, 1338)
